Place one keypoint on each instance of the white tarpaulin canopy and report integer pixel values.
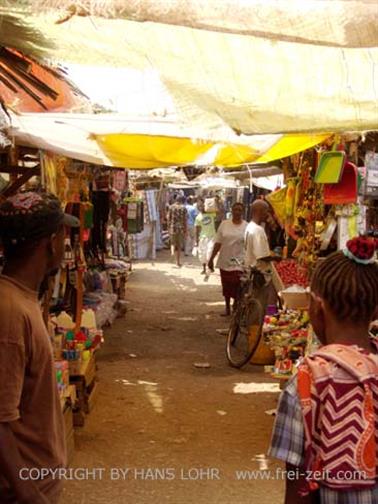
(322, 22)
(260, 67)
(144, 143)
(214, 183)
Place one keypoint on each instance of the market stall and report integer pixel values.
(329, 197)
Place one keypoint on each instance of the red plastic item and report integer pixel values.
(96, 341)
(346, 191)
(80, 336)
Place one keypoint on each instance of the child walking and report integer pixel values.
(326, 429)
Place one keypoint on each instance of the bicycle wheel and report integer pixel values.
(244, 334)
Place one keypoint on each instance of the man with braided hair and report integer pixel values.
(31, 420)
(326, 427)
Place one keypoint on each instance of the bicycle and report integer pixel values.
(245, 330)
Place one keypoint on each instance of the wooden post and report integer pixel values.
(80, 274)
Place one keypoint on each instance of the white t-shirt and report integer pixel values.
(231, 237)
(256, 244)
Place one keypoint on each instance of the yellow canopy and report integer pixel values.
(291, 144)
(144, 152)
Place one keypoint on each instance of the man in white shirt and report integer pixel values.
(256, 241)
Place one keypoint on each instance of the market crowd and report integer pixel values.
(344, 301)
(201, 226)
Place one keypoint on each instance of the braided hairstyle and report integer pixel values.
(348, 281)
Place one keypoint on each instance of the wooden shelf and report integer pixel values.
(69, 396)
(86, 390)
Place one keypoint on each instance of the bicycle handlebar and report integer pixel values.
(237, 262)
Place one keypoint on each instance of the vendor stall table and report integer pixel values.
(68, 401)
(86, 389)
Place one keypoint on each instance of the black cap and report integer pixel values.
(30, 216)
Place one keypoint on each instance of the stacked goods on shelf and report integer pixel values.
(74, 352)
(295, 297)
(62, 376)
(104, 306)
(72, 345)
(291, 273)
(106, 290)
(287, 334)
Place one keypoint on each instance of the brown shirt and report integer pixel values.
(29, 399)
(177, 219)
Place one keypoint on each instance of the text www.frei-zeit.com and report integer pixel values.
(188, 474)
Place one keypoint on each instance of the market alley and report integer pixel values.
(179, 432)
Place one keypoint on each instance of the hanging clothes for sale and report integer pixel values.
(101, 208)
(135, 215)
(119, 180)
(151, 205)
(102, 179)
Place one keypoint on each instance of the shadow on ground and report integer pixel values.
(158, 416)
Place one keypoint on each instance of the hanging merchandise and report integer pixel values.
(102, 179)
(135, 215)
(151, 205)
(117, 239)
(351, 222)
(277, 200)
(68, 254)
(123, 212)
(297, 200)
(88, 215)
(101, 208)
(54, 176)
(49, 172)
(371, 183)
(290, 198)
(309, 209)
(328, 232)
(345, 191)
(330, 167)
(119, 180)
(74, 184)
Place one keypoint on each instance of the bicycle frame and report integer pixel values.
(249, 312)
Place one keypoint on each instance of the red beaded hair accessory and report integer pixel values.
(361, 249)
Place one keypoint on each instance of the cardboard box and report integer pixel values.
(295, 300)
(276, 279)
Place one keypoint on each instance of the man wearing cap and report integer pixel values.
(31, 421)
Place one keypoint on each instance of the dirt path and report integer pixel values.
(163, 419)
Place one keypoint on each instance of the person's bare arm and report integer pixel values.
(11, 465)
(216, 249)
(293, 485)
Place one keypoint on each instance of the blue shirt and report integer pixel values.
(192, 214)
